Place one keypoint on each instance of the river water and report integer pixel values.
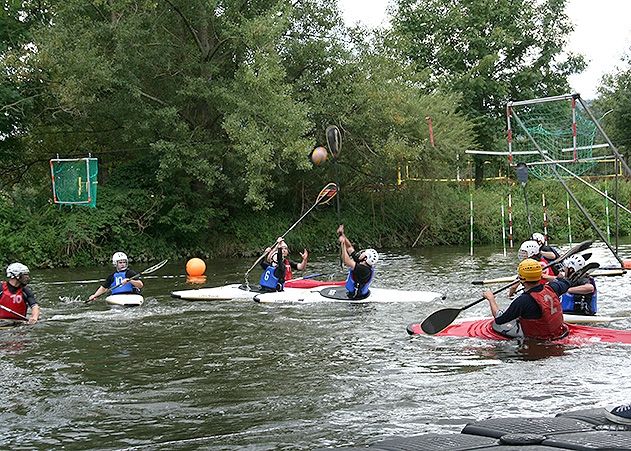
(177, 374)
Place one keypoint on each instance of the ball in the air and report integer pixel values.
(319, 155)
(195, 267)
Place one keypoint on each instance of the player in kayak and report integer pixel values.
(537, 312)
(121, 279)
(581, 297)
(16, 297)
(546, 251)
(360, 264)
(272, 258)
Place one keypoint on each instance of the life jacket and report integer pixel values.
(548, 271)
(118, 278)
(269, 279)
(288, 273)
(355, 289)
(582, 304)
(14, 301)
(550, 326)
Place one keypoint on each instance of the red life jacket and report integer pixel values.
(548, 271)
(14, 301)
(550, 326)
(288, 274)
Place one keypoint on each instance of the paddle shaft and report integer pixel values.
(322, 197)
(7, 309)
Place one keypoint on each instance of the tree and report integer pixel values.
(491, 51)
(614, 101)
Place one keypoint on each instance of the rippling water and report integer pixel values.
(175, 374)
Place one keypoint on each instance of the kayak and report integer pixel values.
(241, 291)
(338, 294)
(125, 300)
(578, 334)
(591, 319)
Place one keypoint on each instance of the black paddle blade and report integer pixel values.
(334, 140)
(521, 170)
(440, 319)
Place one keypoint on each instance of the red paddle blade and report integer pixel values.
(327, 193)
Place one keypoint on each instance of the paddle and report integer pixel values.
(507, 279)
(521, 171)
(334, 141)
(7, 309)
(324, 197)
(440, 319)
(146, 271)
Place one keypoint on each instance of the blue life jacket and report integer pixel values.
(583, 304)
(355, 289)
(269, 279)
(118, 278)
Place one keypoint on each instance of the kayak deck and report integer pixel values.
(339, 294)
(578, 334)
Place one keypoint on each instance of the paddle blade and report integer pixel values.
(440, 319)
(327, 193)
(334, 140)
(155, 267)
(521, 170)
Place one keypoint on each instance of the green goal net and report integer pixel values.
(560, 128)
(74, 181)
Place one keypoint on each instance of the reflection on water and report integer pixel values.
(175, 374)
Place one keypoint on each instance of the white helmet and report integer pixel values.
(15, 270)
(371, 256)
(118, 256)
(528, 249)
(574, 262)
(539, 238)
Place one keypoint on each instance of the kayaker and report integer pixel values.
(361, 267)
(289, 264)
(530, 249)
(538, 309)
(546, 251)
(581, 297)
(620, 414)
(273, 276)
(16, 296)
(122, 276)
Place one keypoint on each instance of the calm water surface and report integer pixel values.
(176, 374)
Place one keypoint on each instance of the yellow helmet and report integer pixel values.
(529, 270)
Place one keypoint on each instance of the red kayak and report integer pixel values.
(310, 283)
(577, 334)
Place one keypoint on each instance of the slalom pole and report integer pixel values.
(471, 222)
(503, 230)
(510, 220)
(545, 216)
(569, 222)
(607, 216)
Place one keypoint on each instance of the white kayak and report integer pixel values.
(338, 294)
(125, 300)
(234, 291)
(241, 291)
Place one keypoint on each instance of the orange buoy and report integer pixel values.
(318, 155)
(195, 267)
(626, 263)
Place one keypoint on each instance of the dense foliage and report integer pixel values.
(202, 115)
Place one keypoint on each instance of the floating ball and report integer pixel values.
(319, 155)
(195, 267)
(626, 264)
